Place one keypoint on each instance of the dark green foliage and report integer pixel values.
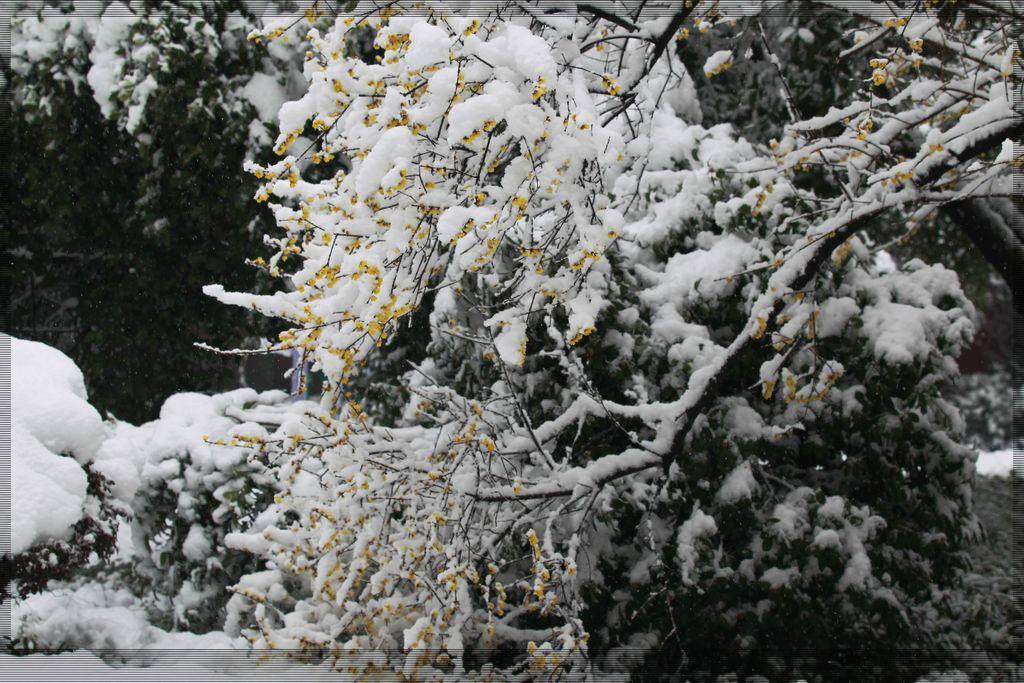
(115, 233)
(853, 464)
(751, 95)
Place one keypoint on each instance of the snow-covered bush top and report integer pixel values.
(54, 431)
(181, 483)
(68, 494)
(198, 482)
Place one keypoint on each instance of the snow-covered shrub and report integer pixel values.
(985, 399)
(200, 481)
(67, 497)
(184, 482)
(983, 628)
(90, 615)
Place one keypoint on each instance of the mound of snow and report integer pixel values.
(54, 431)
(181, 437)
(97, 617)
(995, 463)
(49, 399)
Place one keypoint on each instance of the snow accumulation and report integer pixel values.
(96, 617)
(50, 401)
(738, 485)
(700, 525)
(182, 656)
(213, 667)
(185, 422)
(717, 62)
(104, 74)
(995, 463)
(266, 94)
(48, 491)
(54, 431)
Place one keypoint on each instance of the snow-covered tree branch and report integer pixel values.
(639, 328)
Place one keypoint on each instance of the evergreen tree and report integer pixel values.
(129, 125)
